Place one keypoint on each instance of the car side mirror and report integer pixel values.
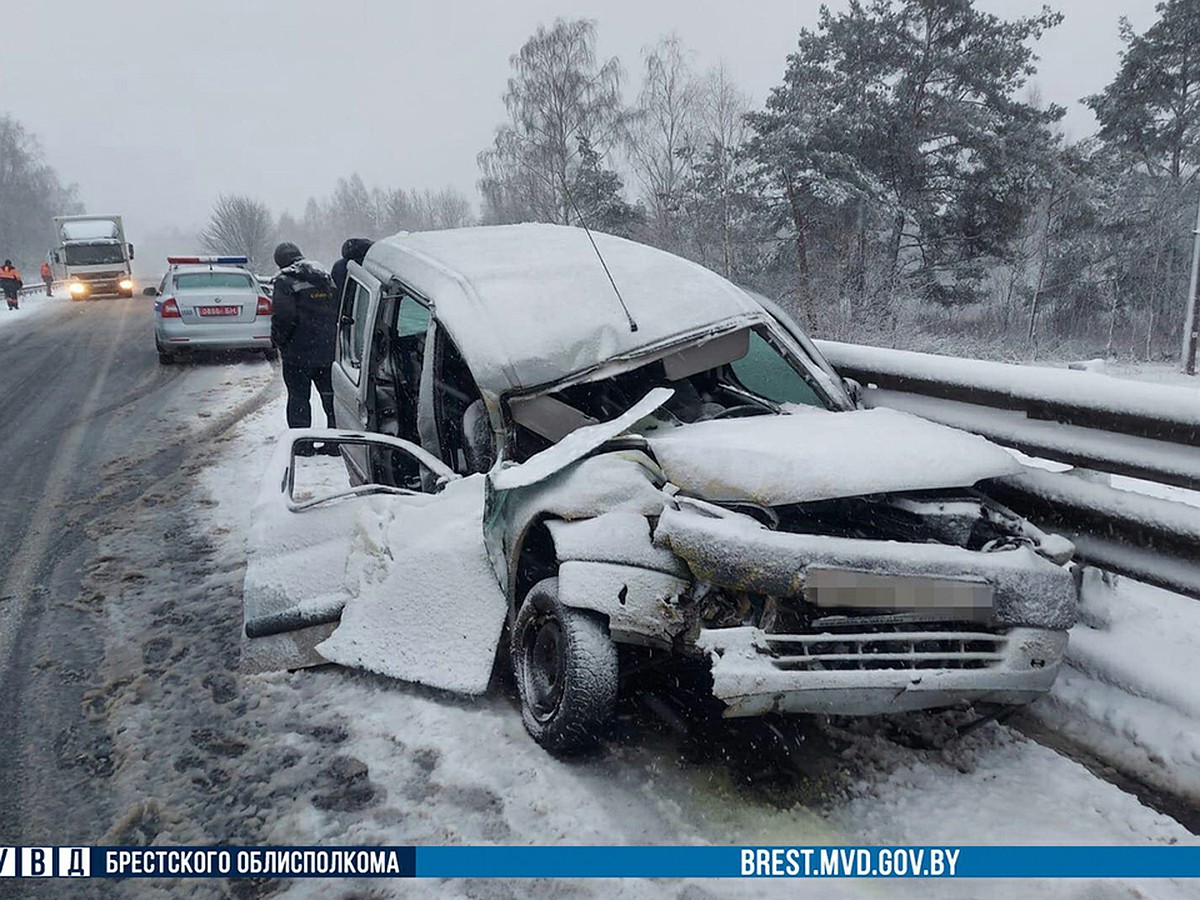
(150, 292)
(131, 251)
(855, 390)
(54, 256)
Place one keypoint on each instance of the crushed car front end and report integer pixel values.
(818, 623)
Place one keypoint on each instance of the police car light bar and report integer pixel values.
(209, 260)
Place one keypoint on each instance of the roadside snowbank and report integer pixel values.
(32, 306)
(1129, 691)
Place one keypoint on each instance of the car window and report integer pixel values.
(353, 332)
(413, 319)
(765, 372)
(193, 281)
(397, 360)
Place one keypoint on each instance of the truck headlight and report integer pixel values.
(77, 288)
(126, 284)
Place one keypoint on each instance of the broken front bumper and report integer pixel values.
(736, 552)
(863, 662)
(869, 673)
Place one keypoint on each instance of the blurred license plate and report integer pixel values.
(845, 588)
(219, 310)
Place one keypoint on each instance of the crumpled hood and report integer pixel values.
(813, 454)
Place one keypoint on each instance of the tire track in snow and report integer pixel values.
(43, 527)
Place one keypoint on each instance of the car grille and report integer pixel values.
(899, 647)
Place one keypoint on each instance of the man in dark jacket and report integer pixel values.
(353, 249)
(10, 282)
(304, 328)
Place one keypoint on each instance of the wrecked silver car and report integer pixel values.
(579, 476)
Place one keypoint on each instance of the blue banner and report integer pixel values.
(602, 862)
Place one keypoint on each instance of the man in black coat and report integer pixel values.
(304, 328)
(353, 249)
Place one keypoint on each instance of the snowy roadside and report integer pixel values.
(1127, 696)
(33, 306)
(329, 755)
(1158, 372)
(1128, 692)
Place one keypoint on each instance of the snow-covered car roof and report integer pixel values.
(531, 304)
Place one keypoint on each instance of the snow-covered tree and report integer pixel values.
(240, 225)
(808, 145)
(558, 93)
(596, 196)
(899, 149)
(662, 138)
(353, 210)
(1151, 109)
(30, 196)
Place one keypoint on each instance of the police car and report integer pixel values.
(210, 303)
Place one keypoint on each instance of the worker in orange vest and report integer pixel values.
(10, 282)
(48, 277)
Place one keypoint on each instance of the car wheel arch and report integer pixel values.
(534, 557)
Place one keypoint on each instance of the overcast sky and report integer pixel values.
(153, 108)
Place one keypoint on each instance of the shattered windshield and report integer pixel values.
(740, 373)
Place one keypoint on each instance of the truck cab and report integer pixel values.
(92, 256)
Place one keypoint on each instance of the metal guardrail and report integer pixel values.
(1085, 420)
(39, 287)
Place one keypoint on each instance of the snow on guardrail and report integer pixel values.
(1147, 538)
(1127, 692)
(1089, 399)
(1082, 419)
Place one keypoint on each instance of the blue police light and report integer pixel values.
(209, 260)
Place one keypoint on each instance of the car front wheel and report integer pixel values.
(565, 665)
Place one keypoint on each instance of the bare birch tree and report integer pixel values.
(663, 135)
(559, 93)
(240, 225)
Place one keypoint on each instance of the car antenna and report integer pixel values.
(633, 325)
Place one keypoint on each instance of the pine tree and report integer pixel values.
(901, 120)
(1151, 110)
(596, 196)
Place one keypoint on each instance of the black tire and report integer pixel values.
(164, 358)
(565, 665)
(271, 354)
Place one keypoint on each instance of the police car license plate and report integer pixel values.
(218, 310)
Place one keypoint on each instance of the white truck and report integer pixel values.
(92, 256)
